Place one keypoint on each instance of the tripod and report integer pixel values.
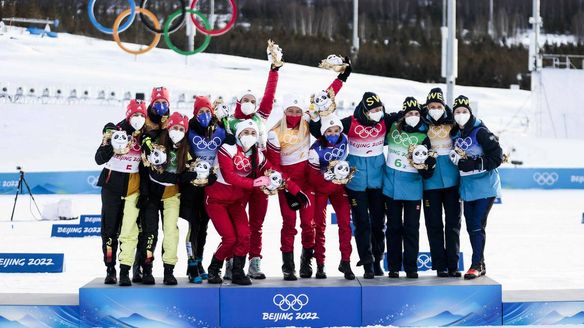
(21, 181)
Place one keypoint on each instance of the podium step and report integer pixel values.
(543, 307)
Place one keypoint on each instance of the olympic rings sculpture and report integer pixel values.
(172, 23)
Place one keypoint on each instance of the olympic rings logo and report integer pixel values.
(545, 178)
(92, 181)
(242, 163)
(336, 153)
(291, 139)
(201, 143)
(463, 144)
(290, 301)
(171, 25)
(365, 132)
(424, 261)
(438, 131)
(403, 138)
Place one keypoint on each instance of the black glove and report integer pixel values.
(303, 199)
(343, 76)
(274, 68)
(292, 201)
(188, 176)
(467, 165)
(211, 179)
(430, 161)
(109, 126)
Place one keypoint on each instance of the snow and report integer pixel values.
(534, 237)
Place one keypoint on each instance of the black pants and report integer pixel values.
(444, 238)
(367, 210)
(112, 213)
(153, 211)
(140, 247)
(404, 230)
(192, 209)
(475, 215)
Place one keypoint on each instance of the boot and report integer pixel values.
(473, 273)
(193, 271)
(238, 276)
(254, 270)
(412, 275)
(111, 276)
(393, 274)
(345, 267)
(202, 272)
(169, 278)
(228, 269)
(306, 263)
(288, 267)
(147, 277)
(369, 271)
(136, 273)
(454, 274)
(377, 269)
(442, 274)
(320, 274)
(125, 275)
(215, 271)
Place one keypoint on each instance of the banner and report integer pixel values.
(31, 263)
(425, 262)
(542, 178)
(49, 183)
(75, 230)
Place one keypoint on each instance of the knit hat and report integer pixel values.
(410, 104)
(436, 95)
(244, 125)
(200, 102)
(461, 101)
(370, 101)
(177, 118)
(135, 106)
(291, 100)
(328, 121)
(159, 93)
(245, 92)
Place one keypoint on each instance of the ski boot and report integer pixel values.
(169, 278)
(472, 273)
(320, 274)
(111, 276)
(377, 269)
(215, 267)
(228, 269)
(412, 275)
(369, 271)
(288, 266)
(238, 276)
(136, 273)
(254, 270)
(345, 267)
(202, 271)
(393, 274)
(306, 263)
(125, 275)
(193, 271)
(147, 277)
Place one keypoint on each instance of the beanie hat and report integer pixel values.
(292, 101)
(410, 104)
(436, 95)
(135, 106)
(461, 101)
(200, 102)
(370, 100)
(244, 125)
(159, 93)
(177, 118)
(243, 93)
(328, 121)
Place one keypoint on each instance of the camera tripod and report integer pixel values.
(19, 190)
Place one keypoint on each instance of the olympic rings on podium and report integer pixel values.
(222, 31)
(167, 33)
(123, 15)
(173, 27)
(103, 29)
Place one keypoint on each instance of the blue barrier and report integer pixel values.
(31, 263)
(90, 220)
(75, 230)
(425, 262)
(542, 178)
(48, 183)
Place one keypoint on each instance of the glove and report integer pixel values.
(108, 127)
(303, 199)
(292, 201)
(454, 157)
(261, 182)
(188, 176)
(277, 53)
(343, 76)
(430, 161)
(211, 179)
(221, 111)
(467, 165)
(329, 175)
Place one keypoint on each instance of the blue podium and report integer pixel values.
(543, 307)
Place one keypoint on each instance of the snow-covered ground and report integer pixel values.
(534, 237)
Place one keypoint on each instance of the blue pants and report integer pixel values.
(475, 214)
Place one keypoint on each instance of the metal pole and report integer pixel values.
(451, 53)
(355, 47)
(444, 12)
(534, 65)
(491, 27)
(212, 14)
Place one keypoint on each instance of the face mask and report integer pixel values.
(412, 121)
(436, 114)
(376, 117)
(176, 136)
(248, 141)
(248, 108)
(137, 122)
(332, 138)
(293, 121)
(161, 109)
(462, 119)
(204, 119)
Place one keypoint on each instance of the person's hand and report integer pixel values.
(466, 165)
(348, 70)
(261, 182)
(303, 199)
(454, 157)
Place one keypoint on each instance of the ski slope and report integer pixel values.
(534, 238)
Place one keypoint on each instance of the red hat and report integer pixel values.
(177, 118)
(159, 93)
(200, 102)
(135, 106)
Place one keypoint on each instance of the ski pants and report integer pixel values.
(403, 227)
(192, 209)
(339, 201)
(258, 206)
(475, 215)
(169, 208)
(129, 230)
(289, 231)
(368, 217)
(444, 238)
(116, 209)
(230, 221)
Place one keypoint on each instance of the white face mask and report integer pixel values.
(248, 141)
(462, 119)
(376, 117)
(137, 122)
(248, 108)
(412, 121)
(176, 136)
(436, 113)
